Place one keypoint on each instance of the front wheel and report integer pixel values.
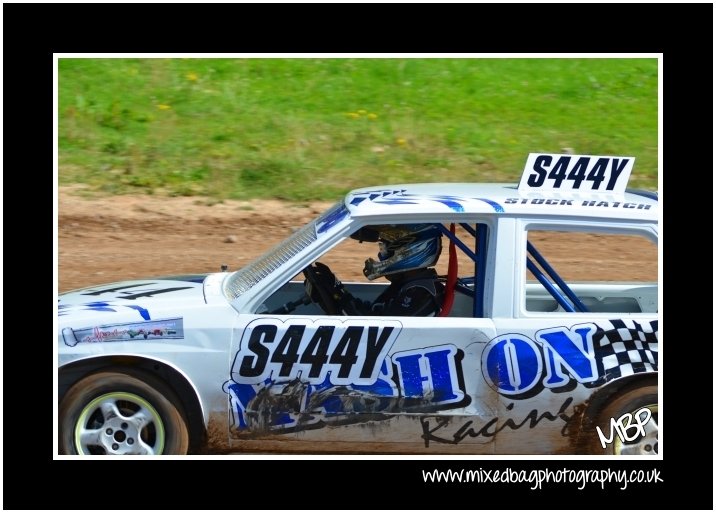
(629, 423)
(121, 412)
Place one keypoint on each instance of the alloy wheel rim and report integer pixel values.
(119, 423)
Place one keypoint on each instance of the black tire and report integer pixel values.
(121, 412)
(630, 401)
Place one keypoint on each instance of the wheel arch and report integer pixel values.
(582, 425)
(599, 399)
(71, 373)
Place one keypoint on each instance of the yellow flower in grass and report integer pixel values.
(372, 115)
(163, 106)
(353, 115)
(191, 76)
(401, 142)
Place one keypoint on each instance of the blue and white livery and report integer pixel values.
(538, 350)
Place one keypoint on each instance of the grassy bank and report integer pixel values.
(311, 129)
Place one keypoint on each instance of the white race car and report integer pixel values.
(516, 359)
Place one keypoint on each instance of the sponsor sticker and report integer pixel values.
(156, 329)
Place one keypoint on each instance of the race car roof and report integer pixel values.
(498, 199)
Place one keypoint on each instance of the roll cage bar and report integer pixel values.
(562, 293)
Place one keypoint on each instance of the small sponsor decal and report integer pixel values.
(153, 330)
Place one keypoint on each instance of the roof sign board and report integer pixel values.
(591, 173)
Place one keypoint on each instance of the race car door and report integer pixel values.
(382, 382)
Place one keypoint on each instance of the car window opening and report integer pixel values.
(576, 304)
(472, 286)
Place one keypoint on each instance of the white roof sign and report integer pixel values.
(591, 173)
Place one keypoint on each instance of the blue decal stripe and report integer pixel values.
(331, 219)
(402, 198)
(142, 311)
(452, 205)
(496, 206)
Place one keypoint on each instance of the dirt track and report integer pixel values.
(123, 237)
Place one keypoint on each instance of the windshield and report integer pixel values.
(245, 278)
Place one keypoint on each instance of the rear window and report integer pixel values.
(607, 272)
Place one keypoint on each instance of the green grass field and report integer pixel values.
(312, 129)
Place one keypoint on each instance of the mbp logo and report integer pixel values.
(628, 427)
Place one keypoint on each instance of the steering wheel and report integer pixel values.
(326, 299)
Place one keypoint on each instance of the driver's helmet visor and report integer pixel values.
(415, 255)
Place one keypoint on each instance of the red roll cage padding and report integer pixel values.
(451, 277)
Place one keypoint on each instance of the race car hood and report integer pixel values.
(131, 300)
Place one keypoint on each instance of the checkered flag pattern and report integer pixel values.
(625, 347)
